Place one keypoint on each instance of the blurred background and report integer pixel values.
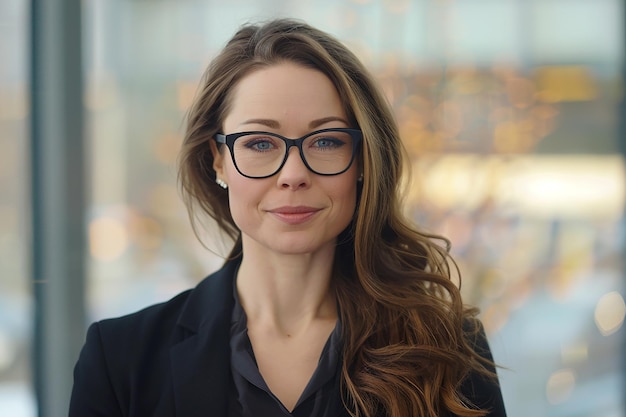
(511, 111)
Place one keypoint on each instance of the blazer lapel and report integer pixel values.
(201, 361)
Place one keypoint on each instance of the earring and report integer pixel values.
(360, 179)
(221, 183)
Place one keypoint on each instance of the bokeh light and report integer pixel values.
(560, 386)
(108, 238)
(610, 312)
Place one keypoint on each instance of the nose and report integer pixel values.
(294, 174)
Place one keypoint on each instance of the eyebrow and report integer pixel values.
(312, 125)
(265, 122)
(324, 120)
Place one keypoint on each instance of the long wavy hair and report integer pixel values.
(406, 345)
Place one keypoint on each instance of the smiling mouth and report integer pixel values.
(294, 215)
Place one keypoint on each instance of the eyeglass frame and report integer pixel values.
(229, 141)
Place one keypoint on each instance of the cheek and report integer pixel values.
(239, 204)
(351, 204)
(346, 198)
(244, 195)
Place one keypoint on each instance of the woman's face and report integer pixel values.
(295, 211)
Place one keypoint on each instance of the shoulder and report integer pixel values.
(128, 344)
(167, 323)
(127, 360)
(482, 390)
(115, 355)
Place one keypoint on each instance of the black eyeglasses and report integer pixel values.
(263, 154)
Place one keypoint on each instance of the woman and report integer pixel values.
(330, 303)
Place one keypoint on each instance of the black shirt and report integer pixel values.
(251, 397)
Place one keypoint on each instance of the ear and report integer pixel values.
(218, 159)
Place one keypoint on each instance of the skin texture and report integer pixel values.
(289, 224)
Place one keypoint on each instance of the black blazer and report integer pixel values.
(173, 359)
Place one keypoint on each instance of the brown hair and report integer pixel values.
(405, 351)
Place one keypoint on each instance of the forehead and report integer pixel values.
(284, 92)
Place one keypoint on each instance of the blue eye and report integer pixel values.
(259, 143)
(327, 143)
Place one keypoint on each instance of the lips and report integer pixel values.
(294, 214)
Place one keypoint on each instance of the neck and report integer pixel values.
(286, 293)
